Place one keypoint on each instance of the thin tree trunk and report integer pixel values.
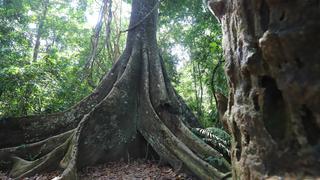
(194, 75)
(201, 89)
(40, 30)
(108, 20)
(95, 38)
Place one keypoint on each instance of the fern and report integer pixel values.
(215, 137)
(220, 141)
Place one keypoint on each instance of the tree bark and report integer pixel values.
(272, 62)
(133, 107)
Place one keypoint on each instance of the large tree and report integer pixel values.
(272, 57)
(134, 107)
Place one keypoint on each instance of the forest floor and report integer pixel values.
(136, 170)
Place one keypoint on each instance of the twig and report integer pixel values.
(213, 77)
(147, 152)
(128, 155)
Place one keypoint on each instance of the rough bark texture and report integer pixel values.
(272, 57)
(134, 106)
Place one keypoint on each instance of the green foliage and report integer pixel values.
(193, 36)
(219, 140)
(217, 162)
(53, 82)
(217, 135)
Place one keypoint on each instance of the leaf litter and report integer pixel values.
(135, 170)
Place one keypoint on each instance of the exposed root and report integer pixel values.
(60, 150)
(159, 133)
(68, 163)
(38, 149)
(22, 168)
(63, 156)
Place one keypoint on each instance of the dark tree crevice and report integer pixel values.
(273, 109)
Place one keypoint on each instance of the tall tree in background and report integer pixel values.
(40, 29)
(133, 107)
(272, 62)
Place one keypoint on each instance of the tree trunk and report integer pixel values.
(272, 57)
(133, 107)
(40, 30)
(95, 38)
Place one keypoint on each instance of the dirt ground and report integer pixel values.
(136, 170)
